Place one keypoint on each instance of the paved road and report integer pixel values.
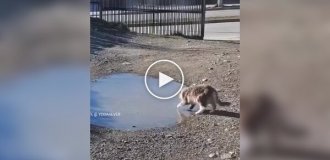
(223, 13)
(222, 31)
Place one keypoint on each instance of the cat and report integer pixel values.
(203, 95)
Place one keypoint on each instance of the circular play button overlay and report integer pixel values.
(167, 86)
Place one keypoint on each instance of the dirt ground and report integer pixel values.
(203, 62)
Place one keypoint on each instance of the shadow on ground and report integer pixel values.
(106, 34)
(222, 113)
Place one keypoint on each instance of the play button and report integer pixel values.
(164, 79)
(170, 79)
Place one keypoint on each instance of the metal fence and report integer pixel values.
(160, 17)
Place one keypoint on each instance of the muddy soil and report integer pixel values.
(215, 63)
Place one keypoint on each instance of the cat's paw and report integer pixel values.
(197, 113)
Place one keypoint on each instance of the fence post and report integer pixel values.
(203, 19)
(101, 8)
(153, 18)
(220, 3)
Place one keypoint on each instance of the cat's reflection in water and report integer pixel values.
(184, 112)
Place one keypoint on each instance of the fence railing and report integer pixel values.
(160, 17)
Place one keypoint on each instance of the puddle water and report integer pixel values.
(121, 101)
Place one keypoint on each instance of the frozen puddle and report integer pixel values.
(121, 101)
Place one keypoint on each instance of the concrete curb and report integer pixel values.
(223, 8)
(222, 19)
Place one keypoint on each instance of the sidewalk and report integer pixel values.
(219, 16)
(222, 25)
(222, 31)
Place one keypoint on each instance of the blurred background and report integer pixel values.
(44, 80)
(285, 79)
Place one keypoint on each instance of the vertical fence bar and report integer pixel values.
(195, 17)
(146, 16)
(199, 18)
(125, 11)
(159, 11)
(138, 16)
(141, 23)
(169, 22)
(113, 10)
(118, 11)
(142, 16)
(122, 12)
(169, 17)
(181, 17)
(105, 10)
(203, 19)
(169, 10)
(101, 8)
(177, 18)
(106, 14)
(174, 9)
(158, 18)
(132, 16)
(185, 18)
(162, 15)
(153, 17)
(129, 12)
(135, 15)
(111, 18)
(166, 10)
(190, 17)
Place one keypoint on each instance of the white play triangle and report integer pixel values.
(164, 79)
